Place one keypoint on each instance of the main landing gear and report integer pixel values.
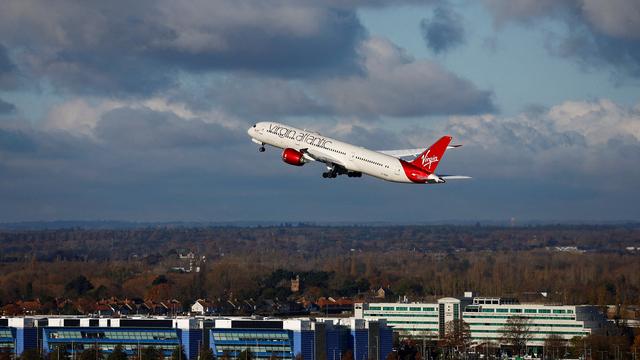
(332, 173)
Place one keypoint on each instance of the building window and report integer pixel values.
(530, 311)
(516, 310)
(488, 310)
(502, 310)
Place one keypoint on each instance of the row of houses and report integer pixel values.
(169, 307)
(300, 306)
(105, 307)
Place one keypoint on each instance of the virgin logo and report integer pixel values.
(427, 161)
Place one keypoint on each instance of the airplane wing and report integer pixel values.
(315, 156)
(409, 152)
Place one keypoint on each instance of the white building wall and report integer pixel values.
(487, 322)
(413, 319)
(486, 319)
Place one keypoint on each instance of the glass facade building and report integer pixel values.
(262, 343)
(324, 339)
(7, 339)
(75, 340)
(264, 338)
(17, 335)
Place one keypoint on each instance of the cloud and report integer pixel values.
(597, 33)
(154, 160)
(571, 142)
(443, 31)
(15, 141)
(6, 65)
(120, 48)
(8, 79)
(390, 83)
(6, 108)
(263, 97)
(145, 129)
(395, 84)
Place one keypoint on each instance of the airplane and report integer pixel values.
(304, 146)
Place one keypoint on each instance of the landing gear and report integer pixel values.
(261, 149)
(334, 170)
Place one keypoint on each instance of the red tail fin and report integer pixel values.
(429, 159)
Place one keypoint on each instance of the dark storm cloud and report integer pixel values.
(444, 31)
(390, 83)
(7, 70)
(597, 32)
(594, 49)
(123, 47)
(6, 65)
(6, 108)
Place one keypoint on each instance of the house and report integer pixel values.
(383, 293)
(104, 310)
(203, 307)
(31, 307)
(295, 284)
(173, 306)
(334, 306)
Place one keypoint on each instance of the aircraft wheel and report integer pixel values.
(325, 175)
(261, 149)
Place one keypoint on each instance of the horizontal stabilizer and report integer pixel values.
(454, 177)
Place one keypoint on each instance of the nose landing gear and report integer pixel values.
(261, 149)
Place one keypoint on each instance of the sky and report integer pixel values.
(137, 111)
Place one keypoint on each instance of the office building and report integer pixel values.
(264, 337)
(487, 318)
(17, 335)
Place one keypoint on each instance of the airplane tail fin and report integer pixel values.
(429, 159)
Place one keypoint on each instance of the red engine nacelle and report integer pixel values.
(293, 157)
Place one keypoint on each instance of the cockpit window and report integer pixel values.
(254, 125)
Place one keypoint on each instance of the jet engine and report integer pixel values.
(293, 157)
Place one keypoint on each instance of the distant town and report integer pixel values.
(314, 292)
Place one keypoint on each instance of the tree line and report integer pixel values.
(422, 263)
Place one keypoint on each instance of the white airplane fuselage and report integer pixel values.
(353, 158)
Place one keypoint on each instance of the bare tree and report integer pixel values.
(516, 333)
(553, 345)
(457, 335)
